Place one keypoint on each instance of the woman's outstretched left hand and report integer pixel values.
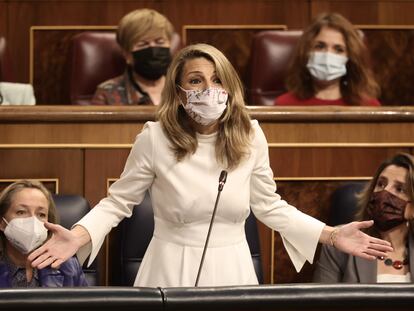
(350, 239)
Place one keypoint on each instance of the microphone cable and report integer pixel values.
(222, 181)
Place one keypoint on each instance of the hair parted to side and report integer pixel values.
(7, 195)
(403, 160)
(234, 134)
(357, 85)
(133, 26)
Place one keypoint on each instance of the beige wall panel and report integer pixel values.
(69, 133)
(3, 18)
(338, 132)
(17, 16)
(65, 165)
(328, 162)
(382, 12)
(25, 13)
(281, 133)
(101, 165)
(367, 12)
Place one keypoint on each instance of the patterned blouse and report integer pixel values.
(121, 90)
(18, 275)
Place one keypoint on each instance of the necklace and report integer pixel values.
(396, 264)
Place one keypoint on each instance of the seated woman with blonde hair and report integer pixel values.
(144, 36)
(330, 67)
(24, 208)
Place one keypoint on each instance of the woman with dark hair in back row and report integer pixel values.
(329, 67)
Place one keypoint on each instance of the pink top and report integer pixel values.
(288, 99)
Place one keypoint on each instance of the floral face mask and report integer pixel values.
(206, 106)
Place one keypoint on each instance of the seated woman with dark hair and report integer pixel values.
(24, 207)
(388, 200)
(330, 67)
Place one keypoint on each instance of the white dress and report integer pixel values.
(183, 196)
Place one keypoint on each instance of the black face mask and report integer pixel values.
(151, 63)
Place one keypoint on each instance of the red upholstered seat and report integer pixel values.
(268, 65)
(95, 58)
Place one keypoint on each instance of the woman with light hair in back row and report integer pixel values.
(144, 36)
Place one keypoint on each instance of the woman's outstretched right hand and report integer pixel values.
(60, 247)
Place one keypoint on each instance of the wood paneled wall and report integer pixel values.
(312, 150)
(17, 16)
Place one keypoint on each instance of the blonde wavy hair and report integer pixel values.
(234, 134)
(133, 26)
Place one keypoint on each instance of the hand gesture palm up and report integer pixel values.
(350, 239)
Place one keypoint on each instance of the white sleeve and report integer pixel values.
(300, 232)
(123, 195)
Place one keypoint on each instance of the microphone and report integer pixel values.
(222, 181)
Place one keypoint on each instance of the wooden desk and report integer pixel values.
(312, 150)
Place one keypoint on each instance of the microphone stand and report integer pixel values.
(223, 177)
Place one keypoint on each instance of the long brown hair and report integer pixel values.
(357, 85)
(234, 134)
(403, 160)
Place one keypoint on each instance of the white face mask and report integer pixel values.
(326, 66)
(26, 233)
(206, 106)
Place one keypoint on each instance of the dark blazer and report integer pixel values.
(334, 266)
(69, 274)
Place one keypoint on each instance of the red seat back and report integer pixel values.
(268, 65)
(95, 58)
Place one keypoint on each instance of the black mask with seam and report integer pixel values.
(152, 63)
